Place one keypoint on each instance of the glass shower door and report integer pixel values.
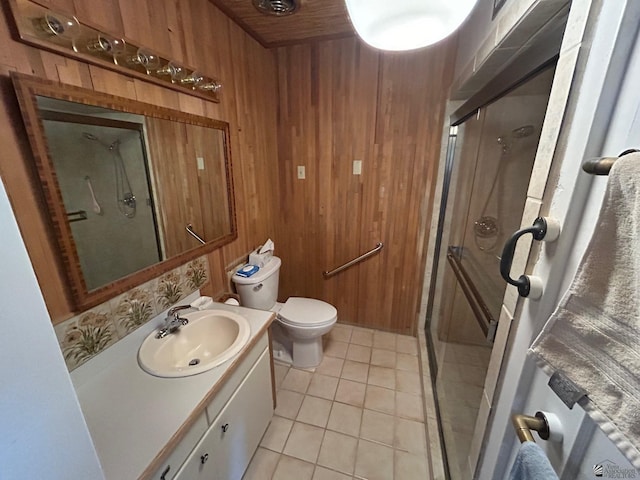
(494, 156)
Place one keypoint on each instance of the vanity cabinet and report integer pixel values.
(226, 449)
(224, 437)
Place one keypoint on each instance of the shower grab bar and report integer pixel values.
(77, 216)
(480, 309)
(602, 165)
(351, 263)
(547, 229)
(189, 228)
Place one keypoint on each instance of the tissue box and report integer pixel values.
(260, 259)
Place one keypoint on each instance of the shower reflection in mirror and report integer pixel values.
(101, 167)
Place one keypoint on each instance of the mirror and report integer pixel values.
(132, 190)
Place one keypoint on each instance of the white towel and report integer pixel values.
(594, 335)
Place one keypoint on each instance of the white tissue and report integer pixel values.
(261, 256)
(268, 246)
(202, 303)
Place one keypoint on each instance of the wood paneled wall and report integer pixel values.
(341, 101)
(193, 32)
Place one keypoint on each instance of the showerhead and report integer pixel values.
(111, 146)
(522, 132)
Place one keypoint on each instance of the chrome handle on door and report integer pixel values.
(547, 229)
(204, 458)
(225, 427)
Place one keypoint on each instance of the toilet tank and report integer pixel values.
(260, 290)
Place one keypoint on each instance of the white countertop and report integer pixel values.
(131, 414)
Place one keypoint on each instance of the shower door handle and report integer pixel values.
(547, 229)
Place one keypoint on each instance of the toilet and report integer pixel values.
(302, 321)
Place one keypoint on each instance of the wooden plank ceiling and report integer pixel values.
(313, 20)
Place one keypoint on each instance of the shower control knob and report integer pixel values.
(204, 458)
(225, 427)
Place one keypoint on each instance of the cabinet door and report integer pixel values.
(226, 449)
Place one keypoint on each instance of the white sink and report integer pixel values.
(209, 339)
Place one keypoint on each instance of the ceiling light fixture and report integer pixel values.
(406, 24)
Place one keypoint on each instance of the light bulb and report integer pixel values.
(106, 45)
(175, 71)
(57, 25)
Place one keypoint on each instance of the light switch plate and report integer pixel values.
(357, 167)
(200, 161)
(301, 172)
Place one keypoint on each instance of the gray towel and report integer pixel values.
(594, 335)
(532, 464)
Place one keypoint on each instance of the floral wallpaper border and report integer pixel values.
(89, 333)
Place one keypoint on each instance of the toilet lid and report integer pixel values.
(307, 312)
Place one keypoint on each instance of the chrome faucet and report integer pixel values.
(173, 321)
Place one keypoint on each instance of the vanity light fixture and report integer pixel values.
(57, 26)
(67, 35)
(406, 24)
(145, 59)
(193, 79)
(106, 45)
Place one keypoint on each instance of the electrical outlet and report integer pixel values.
(301, 172)
(357, 167)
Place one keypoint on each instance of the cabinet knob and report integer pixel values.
(204, 458)
(225, 427)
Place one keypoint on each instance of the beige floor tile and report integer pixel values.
(410, 467)
(408, 363)
(350, 392)
(359, 353)
(374, 461)
(345, 419)
(323, 386)
(409, 406)
(262, 465)
(297, 380)
(377, 426)
(410, 436)
(408, 382)
(288, 404)
(304, 442)
(382, 377)
(335, 348)
(407, 344)
(383, 358)
(314, 411)
(338, 452)
(276, 435)
(380, 399)
(341, 333)
(280, 372)
(293, 469)
(322, 473)
(362, 336)
(330, 366)
(384, 340)
(355, 371)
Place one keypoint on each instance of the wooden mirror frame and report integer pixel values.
(28, 88)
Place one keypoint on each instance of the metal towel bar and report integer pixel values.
(189, 229)
(362, 257)
(602, 165)
(525, 423)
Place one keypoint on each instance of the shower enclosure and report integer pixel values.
(490, 159)
(104, 181)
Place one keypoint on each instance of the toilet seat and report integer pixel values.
(307, 312)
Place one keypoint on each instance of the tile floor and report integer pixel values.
(358, 415)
